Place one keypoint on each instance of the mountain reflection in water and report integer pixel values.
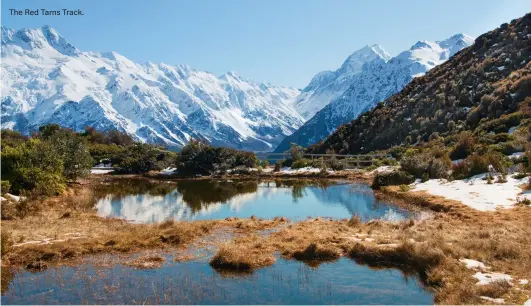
(147, 202)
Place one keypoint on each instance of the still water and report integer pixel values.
(145, 202)
(195, 282)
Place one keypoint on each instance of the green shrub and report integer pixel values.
(5, 186)
(519, 176)
(265, 164)
(501, 179)
(296, 151)
(414, 163)
(278, 165)
(336, 164)
(404, 188)
(73, 150)
(301, 163)
(392, 178)
(287, 162)
(477, 164)
(201, 158)
(141, 158)
(425, 177)
(33, 165)
(439, 167)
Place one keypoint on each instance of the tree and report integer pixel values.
(297, 152)
(74, 151)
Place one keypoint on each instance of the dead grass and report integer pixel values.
(49, 236)
(244, 253)
(429, 248)
(147, 262)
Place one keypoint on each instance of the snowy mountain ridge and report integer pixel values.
(329, 85)
(379, 78)
(45, 79)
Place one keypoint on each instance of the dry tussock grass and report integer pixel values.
(49, 235)
(430, 248)
(244, 253)
(147, 262)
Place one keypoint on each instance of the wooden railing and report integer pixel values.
(351, 160)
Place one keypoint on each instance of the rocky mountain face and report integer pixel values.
(372, 79)
(484, 89)
(45, 79)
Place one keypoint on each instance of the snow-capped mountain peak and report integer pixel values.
(340, 100)
(354, 63)
(45, 79)
(329, 85)
(457, 42)
(41, 38)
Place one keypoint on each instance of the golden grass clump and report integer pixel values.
(243, 254)
(147, 262)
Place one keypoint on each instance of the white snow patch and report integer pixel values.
(14, 197)
(487, 278)
(288, 170)
(101, 171)
(523, 282)
(384, 169)
(473, 264)
(512, 129)
(516, 155)
(496, 301)
(500, 68)
(168, 171)
(475, 192)
(528, 302)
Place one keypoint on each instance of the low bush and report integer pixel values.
(33, 165)
(439, 167)
(404, 188)
(301, 163)
(6, 242)
(398, 177)
(287, 162)
(141, 158)
(278, 165)
(478, 164)
(5, 186)
(414, 163)
(421, 165)
(336, 164)
(201, 158)
(464, 146)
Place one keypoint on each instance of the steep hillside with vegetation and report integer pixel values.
(482, 95)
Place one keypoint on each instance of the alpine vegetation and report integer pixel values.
(367, 77)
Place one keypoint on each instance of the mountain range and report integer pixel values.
(336, 97)
(46, 79)
(482, 92)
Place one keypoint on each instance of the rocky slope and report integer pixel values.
(484, 89)
(375, 80)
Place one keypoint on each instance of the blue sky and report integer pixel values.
(282, 42)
